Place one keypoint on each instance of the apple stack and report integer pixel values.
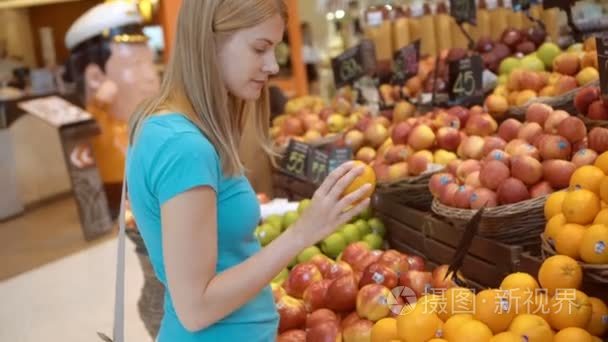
(310, 119)
(322, 299)
(523, 161)
(414, 86)
(548, 72)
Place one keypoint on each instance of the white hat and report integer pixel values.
(100, 18)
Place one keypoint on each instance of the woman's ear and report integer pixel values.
(93, 76)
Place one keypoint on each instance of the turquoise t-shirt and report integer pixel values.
(169, 156)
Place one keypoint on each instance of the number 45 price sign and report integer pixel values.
(465, 84)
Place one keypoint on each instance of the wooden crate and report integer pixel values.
(530, 263)
(418, 232)
(294, 189)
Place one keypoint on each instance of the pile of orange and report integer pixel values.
(577, 218)
(554, 310)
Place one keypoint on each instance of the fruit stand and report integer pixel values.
(530, 157)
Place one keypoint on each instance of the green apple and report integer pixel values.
(275, 220)
(266, 233)
(363, 226)
(373, 240)
(308, 253)
(377, 226)
(289, 218)
(350, 233)
(333, 245)
(280, 278)
(305, 203)
(366, 214)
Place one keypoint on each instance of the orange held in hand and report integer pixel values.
(368, 176)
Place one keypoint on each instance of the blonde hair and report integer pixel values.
(192, 84)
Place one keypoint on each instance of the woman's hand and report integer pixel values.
(328, 210)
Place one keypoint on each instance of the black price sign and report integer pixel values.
(464, 11)
(294, 161)
(602, 62)
(339, 156)
(317, 167)
(465, 84)
(521, 5)
(405, 64)
(348, 67)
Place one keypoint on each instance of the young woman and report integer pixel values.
(195, 209)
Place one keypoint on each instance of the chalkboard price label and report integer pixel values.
(602, 60)
(354, 63)
(317, 167)
(295, 159)
(405, 64)
(464, 11)
(465, 86)
(339, 156)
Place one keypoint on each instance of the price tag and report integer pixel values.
(602, 60)
(354, 63)
(405, 64)
(317, 166)
(521, 5)
(465, 86)
(339, 156)
(464, 11)
(294, 161)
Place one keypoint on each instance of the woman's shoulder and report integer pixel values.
(172, 134)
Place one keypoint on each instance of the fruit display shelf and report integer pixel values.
(417, 232)
(294, 189)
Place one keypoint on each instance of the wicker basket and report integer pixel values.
(598, 273)
(519, 223)
(412, 191)
(563, 102)
(593, 123)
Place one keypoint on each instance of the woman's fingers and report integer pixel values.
(344, 182)
(333, 177)
(356, 210)
(353, 197)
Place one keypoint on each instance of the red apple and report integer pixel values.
(324, 332)
(512, 191)
(370, 258)
(417, 281)
(300, 277)
(395, 261)
(462, 197)
(538, 113)
(447, 194)
(555, 147)
(320, 316)
(323, 263)
(509, 129)
(541, 189)
(573, 129)
(585, 97)
(439, 181)
(373, 302)
(493, 143)
(415, 263)
(554, 120)
(481, 125)
(558, 173)
(355, 251)
(377, 273)
(493, 173)
(296, 335)
(292, 313)
(349, 319)
(400, 133)
(315, 295)
(453, 166)
(448, 138)
(441, 281)
(529, 131)
(461, 113)
(526, 169)
(338, 270)
(359, 331)
(473, 180)
(398, 153)
(584, 157)
(498, 155)
(598, 110)
(354, 139)
(277, 291)
(483, 197)
(342, 294)
(466, 168)
(598, 139)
